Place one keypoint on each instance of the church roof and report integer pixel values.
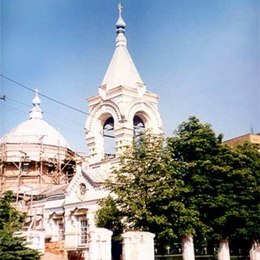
(121, 70)
(35, 130)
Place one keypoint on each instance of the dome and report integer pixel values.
(120, 23)
(35, 130)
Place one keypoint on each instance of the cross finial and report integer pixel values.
(120, 9)
(120, 28)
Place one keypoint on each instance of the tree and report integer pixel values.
(140, 185)
(193, 186)
(148, 192)
(221, 181)
(245, 178)
(11, 220)
(109, 216)
(193, 146)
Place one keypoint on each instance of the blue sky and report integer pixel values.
(201, 57)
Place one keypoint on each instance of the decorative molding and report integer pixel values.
(80, 204)
(109, 107)
(151, 112)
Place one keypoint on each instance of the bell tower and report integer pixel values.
(123, 107)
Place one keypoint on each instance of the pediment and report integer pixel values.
(84, 186)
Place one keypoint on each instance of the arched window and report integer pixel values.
(109, 138)
(139, 126)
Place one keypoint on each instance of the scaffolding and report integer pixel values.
(34, 164)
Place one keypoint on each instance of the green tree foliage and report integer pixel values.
(109, 216)
(13, 247)
(140, 187)
(148, 191)
(245, 180)
(221, 181)
(194, 145)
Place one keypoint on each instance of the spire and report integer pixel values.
(36, 112)
(121, 70)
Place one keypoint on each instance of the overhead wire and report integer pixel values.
(13, 109)
(45, 111)
(10, 108)
(16, 101)
(40, 94)
(7, 107)
(66, 128)
(45, 96)
(49, 113)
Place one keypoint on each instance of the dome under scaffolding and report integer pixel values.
(35, 154)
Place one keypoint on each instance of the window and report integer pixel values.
(83, 231)
(60, 231)
(25, 167)
(82, 189)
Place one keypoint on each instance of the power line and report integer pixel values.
(45, 96)
(48, 112)
(16, 110)
(16, 101)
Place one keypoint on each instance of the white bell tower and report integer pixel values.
(123, 108)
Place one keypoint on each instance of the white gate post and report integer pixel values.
(138, 245)
(255, 251)
(188, 248)
(99, 244)
(223, 253)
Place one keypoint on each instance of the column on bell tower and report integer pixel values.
(122, 105)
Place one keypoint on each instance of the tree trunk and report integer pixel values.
(188, 248)
(255, 251)
(223, 253)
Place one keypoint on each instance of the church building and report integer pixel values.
(118, 113)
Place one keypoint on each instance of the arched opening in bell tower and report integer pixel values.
(109, 138)
(139, 126)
